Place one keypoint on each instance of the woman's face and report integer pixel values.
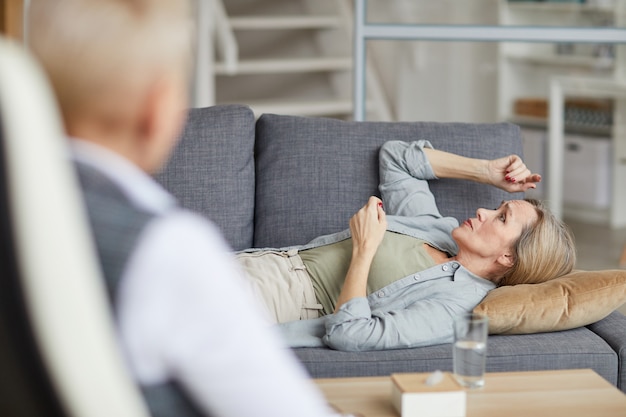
(492, 232)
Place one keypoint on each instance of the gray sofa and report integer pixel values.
(283, 180)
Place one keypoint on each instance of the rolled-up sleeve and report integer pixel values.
(404, 174)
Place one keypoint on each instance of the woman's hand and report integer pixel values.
(368, 227)
(511, 174)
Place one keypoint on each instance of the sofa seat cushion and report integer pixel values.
(571, 349)
(611, 329)
(313, 174)
(211, 170)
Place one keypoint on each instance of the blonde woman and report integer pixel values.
(402, 271)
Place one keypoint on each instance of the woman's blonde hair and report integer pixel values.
(544, 251)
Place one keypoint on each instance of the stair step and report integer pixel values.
(273, 66)
(284, 22)
(316, 108)
(303, 108)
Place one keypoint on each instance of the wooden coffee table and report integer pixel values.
(571, 393)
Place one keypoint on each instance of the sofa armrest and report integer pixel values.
(613, 330)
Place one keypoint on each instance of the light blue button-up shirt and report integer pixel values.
(418, 309)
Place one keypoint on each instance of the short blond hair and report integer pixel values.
(89, 47)
(545, 250)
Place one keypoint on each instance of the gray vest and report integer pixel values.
(116, 227)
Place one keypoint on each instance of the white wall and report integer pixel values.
(438, 81)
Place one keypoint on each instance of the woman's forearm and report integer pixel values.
(355, 284)
(449, 165)
(508, 173)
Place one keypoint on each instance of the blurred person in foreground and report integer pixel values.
(120, 71)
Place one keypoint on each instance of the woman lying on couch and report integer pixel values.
(400, 274)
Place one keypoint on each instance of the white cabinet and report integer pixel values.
(587, 171)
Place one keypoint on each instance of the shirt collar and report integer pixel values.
(139, 187)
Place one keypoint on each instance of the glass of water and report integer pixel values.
(470, 349)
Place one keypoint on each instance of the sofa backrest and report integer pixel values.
(284, 180)
(211, 170)
(313, 174)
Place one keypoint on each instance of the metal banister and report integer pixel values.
(213, 33)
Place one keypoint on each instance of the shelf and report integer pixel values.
(284, 22)
(281, 66)
(317, 108)
(542, 123)
(564, 60)
(560, 7)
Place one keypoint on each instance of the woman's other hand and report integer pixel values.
(368, 228)
(511, 174)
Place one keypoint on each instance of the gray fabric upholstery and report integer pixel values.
(613, 330)
(336, 163)
(578, 348)
(211, 171)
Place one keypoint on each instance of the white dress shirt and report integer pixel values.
(185, 312)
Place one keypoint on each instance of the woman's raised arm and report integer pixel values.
(508, 173)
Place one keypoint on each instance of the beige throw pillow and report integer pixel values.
(577, 299)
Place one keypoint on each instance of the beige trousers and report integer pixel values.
(282, 284)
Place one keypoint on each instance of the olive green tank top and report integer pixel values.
(397, 256)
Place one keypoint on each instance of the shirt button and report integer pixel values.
(445, 267)
(416, 277)
(455, 265)
(381, 293)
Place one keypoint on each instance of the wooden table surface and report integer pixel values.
(571, 393)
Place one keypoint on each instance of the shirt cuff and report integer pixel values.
(355, 308)
(417, 161)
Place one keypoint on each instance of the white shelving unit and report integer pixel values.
(527, 70)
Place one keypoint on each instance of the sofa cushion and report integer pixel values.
(609, 330)
(313, 174)
(572, 349)
(576, 299)
(211, 170)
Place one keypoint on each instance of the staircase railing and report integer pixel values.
(227, 45)
(378, 95)
(213, 33)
